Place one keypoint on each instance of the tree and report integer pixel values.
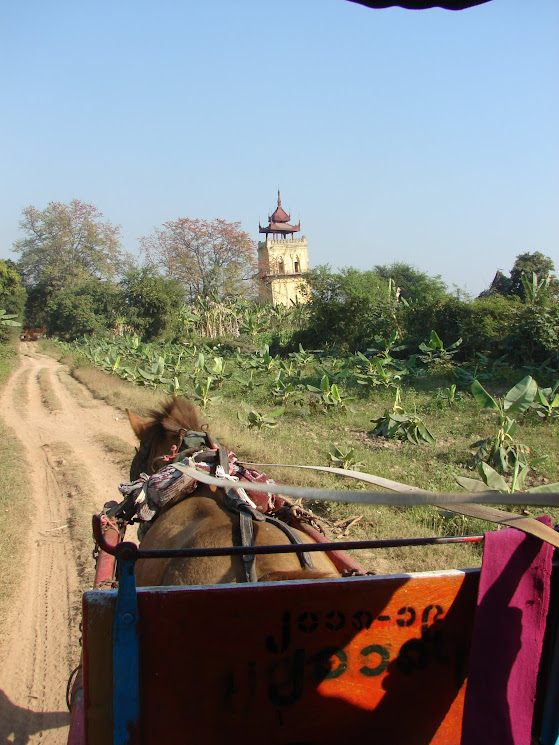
(12, 294)
(414, 285)
(348, 308)
(152, 303)
(92, 307)
(67, 244)
(526, 265)
(532, 263)
(210, 258)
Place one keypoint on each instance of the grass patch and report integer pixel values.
(72, 480)
(75, 389)
(117, 392)
(21, 393)
(121, 451)
(48, 396)
(15, 504)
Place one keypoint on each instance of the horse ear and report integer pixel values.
(138, 424)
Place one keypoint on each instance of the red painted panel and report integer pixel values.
(380, 659)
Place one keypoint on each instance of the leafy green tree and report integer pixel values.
(93, 307)
(532, 263)
(152, 303)
(348, 308)
(12, 293)
(486, 323)
(210, 258)
(65, 245)
(525, 266)
(415, 286)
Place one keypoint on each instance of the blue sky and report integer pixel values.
(427, 137)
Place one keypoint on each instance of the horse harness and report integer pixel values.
(200, 446)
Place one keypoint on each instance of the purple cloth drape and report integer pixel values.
(507, 641)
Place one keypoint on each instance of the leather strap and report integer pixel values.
(247, 539)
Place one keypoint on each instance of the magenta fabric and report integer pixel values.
(507, 640)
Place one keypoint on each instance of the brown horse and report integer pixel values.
(202, 520)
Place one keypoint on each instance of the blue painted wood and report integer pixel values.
(126, 652)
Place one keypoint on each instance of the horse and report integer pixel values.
(204, 519)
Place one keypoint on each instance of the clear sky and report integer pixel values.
(429, 137)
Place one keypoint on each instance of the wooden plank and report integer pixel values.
(381, 658)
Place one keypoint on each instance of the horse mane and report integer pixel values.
(174, 415)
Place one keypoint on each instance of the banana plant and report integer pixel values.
(546, 403)
(449, 394)
(282, 387)
(343, 458)
(338, 373)
(330, 396)
(247, 384)
(256, 420)
(217, 371)
(400, 424)
(202, 393)
(385, 347)
(501, 449)
(264, 359)
(302, 357)
(111, 363)
(252, 322)
(434, 350)
(494, 481)
(7, 319)
(379, 372)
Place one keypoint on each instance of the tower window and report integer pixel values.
(296, 266)
(281, 269)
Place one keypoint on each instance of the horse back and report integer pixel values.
(202, 521)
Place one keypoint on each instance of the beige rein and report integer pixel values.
(398, 494)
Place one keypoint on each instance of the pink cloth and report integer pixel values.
(507, 640)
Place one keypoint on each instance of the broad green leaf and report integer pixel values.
(471, 484)
(159, 366)
(435, 341)
(425, 434)
(537, 461)
(521, 396)
(482, 397)
(493, 479)
(521, 477)
(544, 488)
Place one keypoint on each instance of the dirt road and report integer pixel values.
(39, 645)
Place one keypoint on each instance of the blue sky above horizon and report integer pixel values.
(428, 137)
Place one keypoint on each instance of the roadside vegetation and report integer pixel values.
(384, 370)
(14, 494)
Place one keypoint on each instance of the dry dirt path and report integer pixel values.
(39, 645)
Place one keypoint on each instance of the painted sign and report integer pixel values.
(379, 659)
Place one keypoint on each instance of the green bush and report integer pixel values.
(348, 309)
(485, 323)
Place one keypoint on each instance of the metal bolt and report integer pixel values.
(127, 617)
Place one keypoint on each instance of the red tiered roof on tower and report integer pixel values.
(279, 222)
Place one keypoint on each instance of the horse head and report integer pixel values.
(160, 433)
